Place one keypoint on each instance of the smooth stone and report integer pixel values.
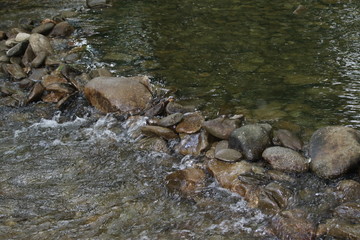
(221, 127)
(334, 150)
(156, 144)
(187, 181)
(191, 123)
(26, 23)
(173, 107)
(156, 109)
(287, 139)
(349, 211)
(10, 43)
(18, 49)
(251, 140)
(62, 29)
(124, 94)
(16, 71)
(39, 60)
(98, 3)
(21, 37)
(51, 79)
(228, 155)
(159, 131)
(285, 159)
(25, 83)
(36, 92)
(192, 144)
(224, 144)
(39, 43)
(170, 120)
(44, 28)
(293, 224)
(16, 60)
(28, 56)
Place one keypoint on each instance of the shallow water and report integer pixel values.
(85, 179)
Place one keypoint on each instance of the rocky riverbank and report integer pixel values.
(266, 166)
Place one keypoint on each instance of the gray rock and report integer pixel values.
(287, 139)
(170, 120)
(21, 37)
(2, 35)
(153, 144)
(251, 140)
(349, 211)
(98, 3)
(285, 159)
(4, 58)
(38, 74)
(273, 198)
(124, 94)
(334, 150)
(224, 144)
(39, 43)
(221, 127)
(18, 49)
(28, 56)
(36, 92)
(44, 28)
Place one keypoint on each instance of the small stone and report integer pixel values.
(60, 87)
(25, 83)
(191, 123)
(170, 120)
(38, 74)
(153, 144)
(159, 131)
(51, 79)
(347, 190)
(4, 58)
(28, 56)
(339, 229)
(44, 28)
(53, 97)
(349, 211)
(221, 145)
(2, 35)
(273, 198)
(221, 127)
(228, 155)
(98, 3)
(100, 72)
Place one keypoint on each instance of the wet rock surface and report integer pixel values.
(221, 127)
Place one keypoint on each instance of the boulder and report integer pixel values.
(285, 159)
(221, 127)
(123, 94)
(251, 140)
(334, 150)
(39, 43)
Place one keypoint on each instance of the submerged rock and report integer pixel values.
(153, 144)
(285, 159)
(221, 127)
(273, 198)
(251, 140)
(16, 71)
(334, 150)
(173, 107)
(123, 94)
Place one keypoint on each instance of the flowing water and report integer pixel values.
(85, 179)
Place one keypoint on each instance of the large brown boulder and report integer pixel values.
(334, 150)
(123, 94)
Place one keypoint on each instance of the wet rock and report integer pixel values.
(52, 61)
(170, 120)
(39, 60)
(18, 49)
(16, 60)
(53, 97)
(62, 29)
(339, 229)
(287, 139)
(38, 74)
(349, 211)
(187, 181)
(21, 37)
(173, 107)
(16, 71)
(285, 159)
(157, 109)
(273, 198)
(228, 155)
(44, 28)
(159, 131)
(28, 56)
(10, 43)
(191, 123)
(193, 144)
(80, 81)
(221, 127)
(251, 140)
(293, 224)
(153, 144)
(4, 58)
(36, 92)
(334, 150)
(98, 3)
(100, 72)
(39, 43)
(51, 79)
(221, 145)
(280, 176)
(122, 94)
(347, 190)
(60, 87)
(69, 72)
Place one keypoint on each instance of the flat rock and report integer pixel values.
(339, 229)
(51, 79)
(21, 37)
(159, 131)
(251, 140)
(285, 159)
(334, 150)
(221, 127)
(228, 155)
(349, 211)
(191, 123)
(124, 94)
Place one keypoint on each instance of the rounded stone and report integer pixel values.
(221, 127)
(191, 123)
(228, 155)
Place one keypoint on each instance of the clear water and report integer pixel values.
(85, 179)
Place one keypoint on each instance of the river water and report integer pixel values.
(85, 178)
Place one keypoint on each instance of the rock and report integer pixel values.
(98, 3)
(38, 74)
(4, 58)
(60, 87)
(44, 28)
(39, 60)
(16, 60)
(191, 123)
(69, 72)
(159, 131)
(51, 79)
(100, 72)
(80, 81)
(285, 159)
(15, 71)
(53, 97)
(36, 92)
(273, 198)
(2, 35)
(28, 56)
(122, 94)
(334, 150)
(287, 139)
(18, 49)
(347, 190)
(10, 43)
(187, 181)
(349, 211)
(339, 229)
(153, 144)
(21, 37)
(228, 155)
(62, 29)
(39, 43)
(193, 144)
(170, 120)
(293, 224)
(173, 107)
(26, 24)
(157, 109)
(25, 83)
(251, 140)
(221, 127)
(224, 144)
